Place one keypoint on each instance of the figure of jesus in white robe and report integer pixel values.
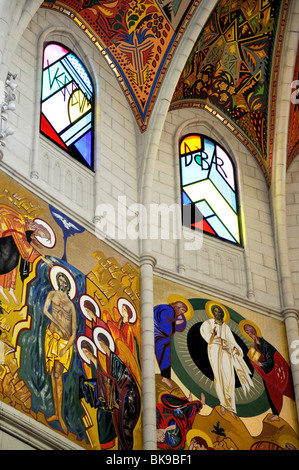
(225, 355)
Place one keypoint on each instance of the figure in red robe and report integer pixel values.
(175, 417)
(273, 369)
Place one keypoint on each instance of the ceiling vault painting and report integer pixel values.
(232, 71)
(137, 38)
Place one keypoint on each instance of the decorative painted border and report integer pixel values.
(141, 117)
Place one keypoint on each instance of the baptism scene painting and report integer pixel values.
(70, 326)
(223, 379)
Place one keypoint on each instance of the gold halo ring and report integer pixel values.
(242, 325)
(209, 306)
(197, 433)
(179, 298)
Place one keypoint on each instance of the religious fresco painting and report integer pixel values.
(221, 382)
(70, 354)
(137, 38)
(232, 71)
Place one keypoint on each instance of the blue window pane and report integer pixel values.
(204, 208)
(84, 147)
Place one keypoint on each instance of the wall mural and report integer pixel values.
(232, 71)
(220, 383)
(137, 38)
(70, 326)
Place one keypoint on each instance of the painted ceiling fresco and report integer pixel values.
(136, 37)
(293, 144)
(232, 71)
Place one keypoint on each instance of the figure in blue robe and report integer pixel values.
(168, 319)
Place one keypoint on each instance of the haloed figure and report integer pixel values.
(225, 356)
(127, 396)
(127, 313)
(89, 390)
(59, 339)
(198, 443)
(168, 319)
(17, 232)
(273, 369)
(125, 328)
(113, 391)
(90, 310)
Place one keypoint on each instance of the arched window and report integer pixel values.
(67, 103)
(209, 188)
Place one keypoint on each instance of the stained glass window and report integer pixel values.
(67, 103)
(209, 191)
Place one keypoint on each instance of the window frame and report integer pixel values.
(185, 225)
(74, 156)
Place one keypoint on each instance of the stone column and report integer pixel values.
(290, 316)
(147, 264)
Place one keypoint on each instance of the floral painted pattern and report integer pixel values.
(232, 70)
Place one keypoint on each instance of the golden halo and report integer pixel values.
(197, 433)
(210, 304)
(178, 298)
(59, 269)
(246, 335)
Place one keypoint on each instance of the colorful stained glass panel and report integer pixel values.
(67, 103)
(208, 183)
